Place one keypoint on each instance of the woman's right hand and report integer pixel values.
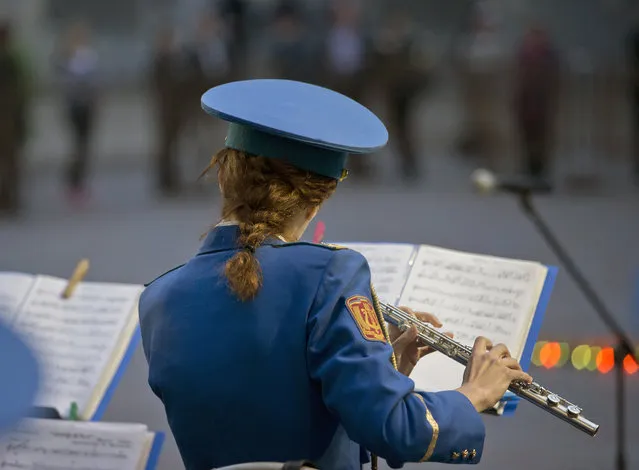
(489, 373)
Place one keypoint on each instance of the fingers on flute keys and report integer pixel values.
(500, 351)
(501, 354)
(484, 345)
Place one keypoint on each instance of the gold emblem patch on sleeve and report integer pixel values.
(363, 312)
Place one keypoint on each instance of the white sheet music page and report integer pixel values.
(68, 445)
(473, 295)
(389, 264)
(74, 337)
(14, 288)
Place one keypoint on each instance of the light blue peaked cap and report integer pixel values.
(308, 126)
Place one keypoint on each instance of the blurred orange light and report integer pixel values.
(606, 360)
(550, 354)
(630, 365)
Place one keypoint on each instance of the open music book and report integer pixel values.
(41, 444)
(472, 295)
(84, 342)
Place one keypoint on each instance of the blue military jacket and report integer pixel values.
(303, 371)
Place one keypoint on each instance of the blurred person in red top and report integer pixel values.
(536, 95)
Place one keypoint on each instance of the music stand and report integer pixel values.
(623, 345)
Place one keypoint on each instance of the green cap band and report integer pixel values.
(308, 157)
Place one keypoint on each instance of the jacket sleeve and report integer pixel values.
(349, 356)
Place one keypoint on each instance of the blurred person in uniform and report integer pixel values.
(170, 81)
(346, 56)
(264, 348)
(208, 64)
(291, 51)
(403, 71)
(13, 116)
(481, 56)
(634, 103)
(535, 100)
(211, 53)
(77, 65)
(345, 50)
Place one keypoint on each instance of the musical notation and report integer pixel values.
(476, 295)
(472, 295)
(389, 265)
(74, 337)
(64, 445)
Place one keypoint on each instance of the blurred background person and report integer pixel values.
(291, 52)
(535, 100)
(234, 14)
(404, 73)
(171, 76)
(13, 120)
(345, 49)
(345, 59)
(77, 64)
(209, 64)
(210, 52)
(481, 57)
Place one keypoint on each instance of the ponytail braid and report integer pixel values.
(263, 195)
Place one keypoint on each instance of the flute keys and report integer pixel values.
(553, 400)
(574, 411)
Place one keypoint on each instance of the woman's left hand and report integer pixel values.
(407, 345)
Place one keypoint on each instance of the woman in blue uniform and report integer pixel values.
(265, 348)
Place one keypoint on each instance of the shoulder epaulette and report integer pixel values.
(162, 275)
(335, 247)
(327, 246)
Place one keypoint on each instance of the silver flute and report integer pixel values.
(533, 392)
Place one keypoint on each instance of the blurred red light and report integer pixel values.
(630, 365)
(606, 360)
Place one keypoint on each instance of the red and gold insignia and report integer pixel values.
(364, 314)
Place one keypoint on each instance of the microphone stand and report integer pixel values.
(623, 345)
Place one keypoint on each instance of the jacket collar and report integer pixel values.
(224, 237)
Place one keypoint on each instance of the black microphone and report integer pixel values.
(486, 182)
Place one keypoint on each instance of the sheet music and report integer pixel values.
(14, 287)
(389, 263)
(74, 337)
(472, 295)
(68, 445)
